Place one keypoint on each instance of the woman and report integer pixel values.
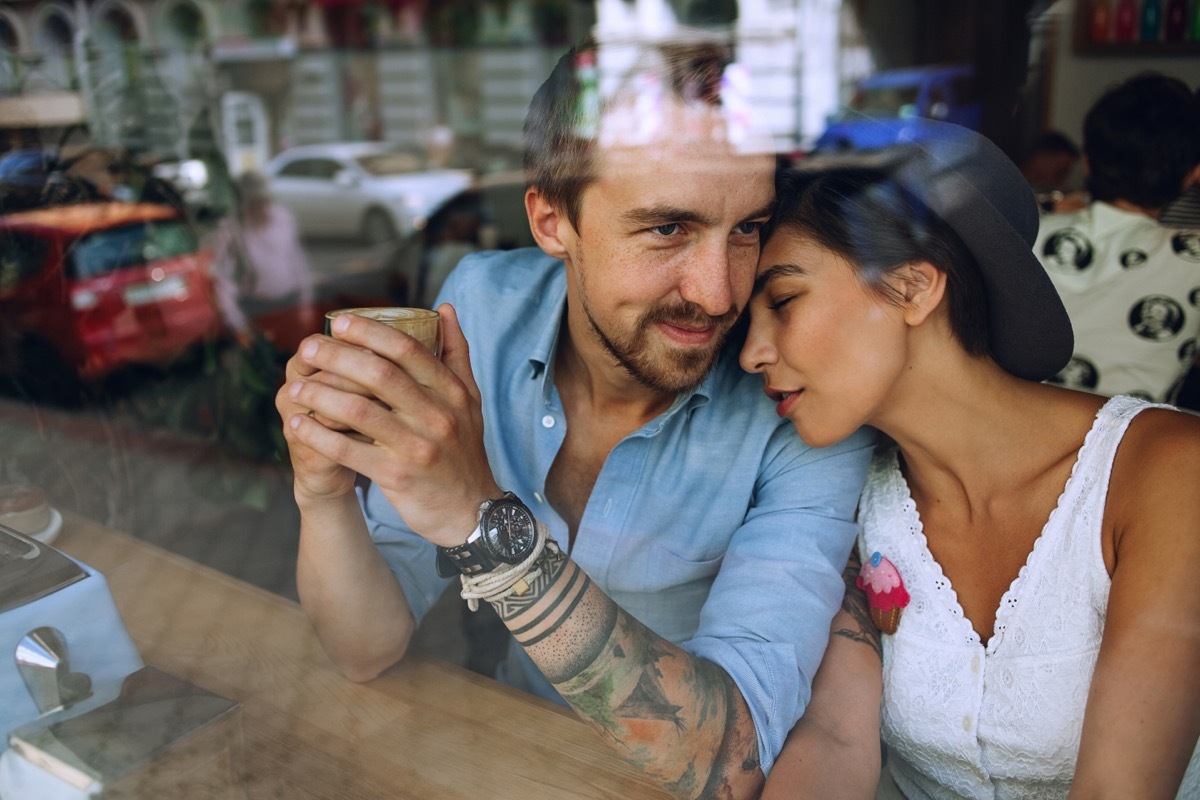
(1031, 551)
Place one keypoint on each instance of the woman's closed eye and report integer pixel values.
(779, 301)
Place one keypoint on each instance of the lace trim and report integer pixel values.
(901, 495)
(1008, 601)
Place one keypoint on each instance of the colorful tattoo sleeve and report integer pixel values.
(678, 718)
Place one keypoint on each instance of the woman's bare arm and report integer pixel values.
(833, 751)
(1143, 710)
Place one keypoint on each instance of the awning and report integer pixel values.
(47, 110)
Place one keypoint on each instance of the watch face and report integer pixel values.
(509, 531)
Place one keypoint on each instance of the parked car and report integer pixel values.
(26, 167)
(372, 190)
(884, 105)
(489, 215)
(86, 289)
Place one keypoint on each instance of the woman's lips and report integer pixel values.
(785, 400)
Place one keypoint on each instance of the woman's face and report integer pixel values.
(829, 347)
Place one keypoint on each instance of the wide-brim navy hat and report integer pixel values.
(970, 183)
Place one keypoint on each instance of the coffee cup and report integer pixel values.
(420, 323)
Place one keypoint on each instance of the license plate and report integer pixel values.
(172, 288)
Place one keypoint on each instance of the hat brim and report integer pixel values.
(969, 182)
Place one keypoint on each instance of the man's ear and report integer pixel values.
(549, 226)
(922, 286)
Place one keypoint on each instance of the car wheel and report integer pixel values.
(377, 227)
(43, 376)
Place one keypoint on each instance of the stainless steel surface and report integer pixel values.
(44, 665)
(29, 569)
(160, 737)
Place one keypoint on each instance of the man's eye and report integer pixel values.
(669, 229)
(744, 228)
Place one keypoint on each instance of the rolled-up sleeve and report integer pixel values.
(766, 620)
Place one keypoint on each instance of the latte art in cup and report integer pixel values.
(419, 323)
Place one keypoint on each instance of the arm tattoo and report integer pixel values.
(854, 603)
(678, 718)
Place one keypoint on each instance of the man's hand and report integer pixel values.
(385, 407)
(316, 476)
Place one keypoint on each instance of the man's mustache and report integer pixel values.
(689, 315)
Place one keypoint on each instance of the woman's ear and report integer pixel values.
(922, 285)
(547, 224)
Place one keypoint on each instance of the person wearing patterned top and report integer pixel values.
(1128, 281)
(1028, 551)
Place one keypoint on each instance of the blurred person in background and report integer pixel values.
(1184, 211)
(1049, 167)
(259, 266)
(1128, 283)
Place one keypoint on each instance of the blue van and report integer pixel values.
(884, 104)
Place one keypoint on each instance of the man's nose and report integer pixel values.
(708, 281)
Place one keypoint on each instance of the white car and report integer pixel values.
(373, 190)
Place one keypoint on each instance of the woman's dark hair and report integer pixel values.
(866, 216)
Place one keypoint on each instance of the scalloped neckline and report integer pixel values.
(912, 516)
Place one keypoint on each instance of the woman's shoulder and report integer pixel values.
(1162, 439)
(1156, 472)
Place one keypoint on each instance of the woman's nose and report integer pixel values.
(757, 352)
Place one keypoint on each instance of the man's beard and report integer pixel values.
(673, 370)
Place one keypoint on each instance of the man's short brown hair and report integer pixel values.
(560, 154)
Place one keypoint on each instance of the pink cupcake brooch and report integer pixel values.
(885, 590)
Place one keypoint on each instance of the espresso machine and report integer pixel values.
(63, 647)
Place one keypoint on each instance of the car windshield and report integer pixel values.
(886, 101)
(128, 246)
(391, 163)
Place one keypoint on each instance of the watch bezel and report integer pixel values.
(496, 527)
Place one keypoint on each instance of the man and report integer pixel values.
(705, 540)
(1128, 280)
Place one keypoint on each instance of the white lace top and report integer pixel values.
(1003, 720)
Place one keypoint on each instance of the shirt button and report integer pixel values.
(975, 663)
(967, 723)
(538, 497)
(547, 421)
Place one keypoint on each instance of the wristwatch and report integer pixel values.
(506, 534)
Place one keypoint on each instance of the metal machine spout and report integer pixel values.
(44, 664)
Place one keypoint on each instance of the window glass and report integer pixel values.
(888, 101)
(128, 246)
(20, 258)
(392, 163)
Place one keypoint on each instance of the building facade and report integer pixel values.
(251, 77)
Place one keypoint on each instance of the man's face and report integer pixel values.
(662, 261)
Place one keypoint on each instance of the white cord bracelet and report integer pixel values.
(515, 579)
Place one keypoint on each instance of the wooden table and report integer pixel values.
(426, 729)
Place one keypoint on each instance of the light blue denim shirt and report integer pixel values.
(714, 524)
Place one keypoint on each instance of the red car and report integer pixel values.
(98, 286)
